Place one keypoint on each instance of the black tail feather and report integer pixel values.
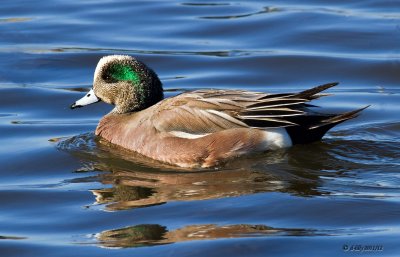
(314, 127)
(312, 93)
(342, 117)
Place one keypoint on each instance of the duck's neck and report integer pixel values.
(150, 92)
(137, 101)
(145, 95)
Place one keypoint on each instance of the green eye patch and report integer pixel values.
(123, 72)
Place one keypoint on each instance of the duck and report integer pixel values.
(203, 128)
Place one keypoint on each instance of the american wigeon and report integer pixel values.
(201, 128)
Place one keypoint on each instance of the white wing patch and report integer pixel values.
(182, 134)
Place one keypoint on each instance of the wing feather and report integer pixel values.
(207, 111)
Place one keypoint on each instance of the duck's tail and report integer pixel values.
(292, 111)
(314, 126)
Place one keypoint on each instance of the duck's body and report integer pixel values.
(205, 128)
(191, 130)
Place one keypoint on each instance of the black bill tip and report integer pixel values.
(74, 106)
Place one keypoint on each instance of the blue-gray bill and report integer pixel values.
(89, 98)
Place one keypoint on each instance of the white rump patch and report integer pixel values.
(276, 138)
(182, 134)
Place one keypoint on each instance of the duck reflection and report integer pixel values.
(154, 234)
(139, 189)
(139, 182)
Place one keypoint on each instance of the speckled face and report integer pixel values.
(119, 75)
(117, 80)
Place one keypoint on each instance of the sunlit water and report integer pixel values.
(65, 192)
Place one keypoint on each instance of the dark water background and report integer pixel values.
(65, 193)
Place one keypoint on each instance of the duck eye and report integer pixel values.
(108, 78)
(88, 95)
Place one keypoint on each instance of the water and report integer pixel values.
(63, 191)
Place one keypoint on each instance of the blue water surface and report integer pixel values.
(64, 192)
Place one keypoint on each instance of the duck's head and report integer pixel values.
(125, 82)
